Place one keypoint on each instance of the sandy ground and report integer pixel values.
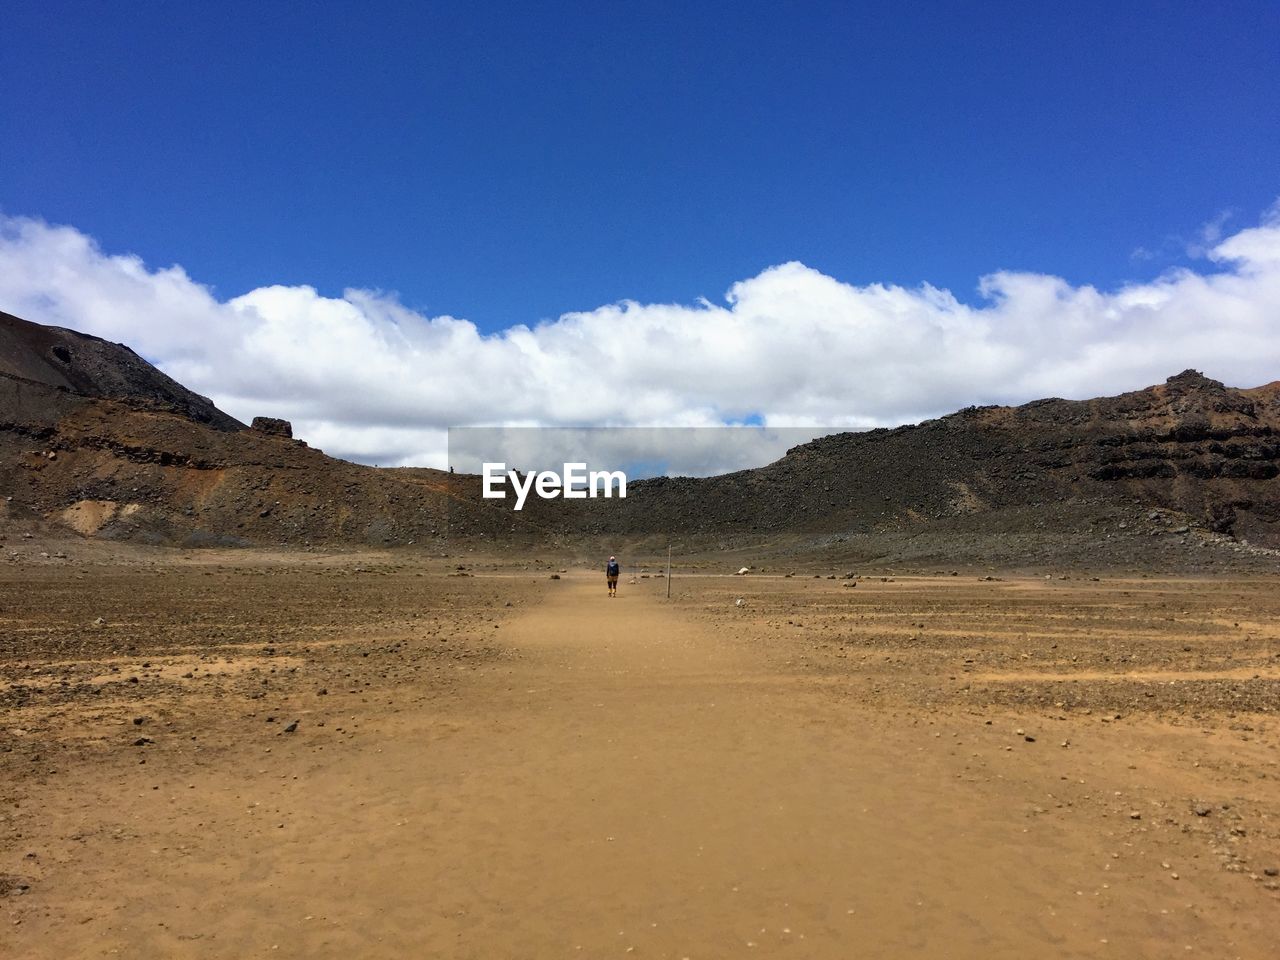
(508, 766)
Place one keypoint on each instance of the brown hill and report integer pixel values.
(92, 367)
(94, 438)
(1189, 445)
(1148, 478)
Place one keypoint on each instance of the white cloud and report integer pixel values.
(364, 377)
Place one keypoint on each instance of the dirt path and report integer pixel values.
(632, 785)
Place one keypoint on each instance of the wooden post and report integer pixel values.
(668, 571)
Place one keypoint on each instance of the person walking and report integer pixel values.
(611, 571)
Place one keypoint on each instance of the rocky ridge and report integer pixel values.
(105, 445)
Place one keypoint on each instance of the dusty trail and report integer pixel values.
(632, 785)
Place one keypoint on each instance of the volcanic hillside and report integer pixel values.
(95, 439)
(1190, 446)
(92, 367)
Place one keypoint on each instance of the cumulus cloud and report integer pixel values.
(364, 377)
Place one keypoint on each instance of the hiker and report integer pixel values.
(611, 571)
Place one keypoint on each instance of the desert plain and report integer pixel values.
(238, 753)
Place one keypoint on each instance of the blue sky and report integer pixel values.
(510, 162)
(892, 210)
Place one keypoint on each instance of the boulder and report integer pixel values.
(273, 426)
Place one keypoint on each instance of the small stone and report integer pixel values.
(1201, 810)
(291, 727)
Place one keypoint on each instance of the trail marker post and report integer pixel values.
(668, 571)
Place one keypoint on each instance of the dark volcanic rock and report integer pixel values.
(92, 367)
(1206, 452)
(273, 426)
